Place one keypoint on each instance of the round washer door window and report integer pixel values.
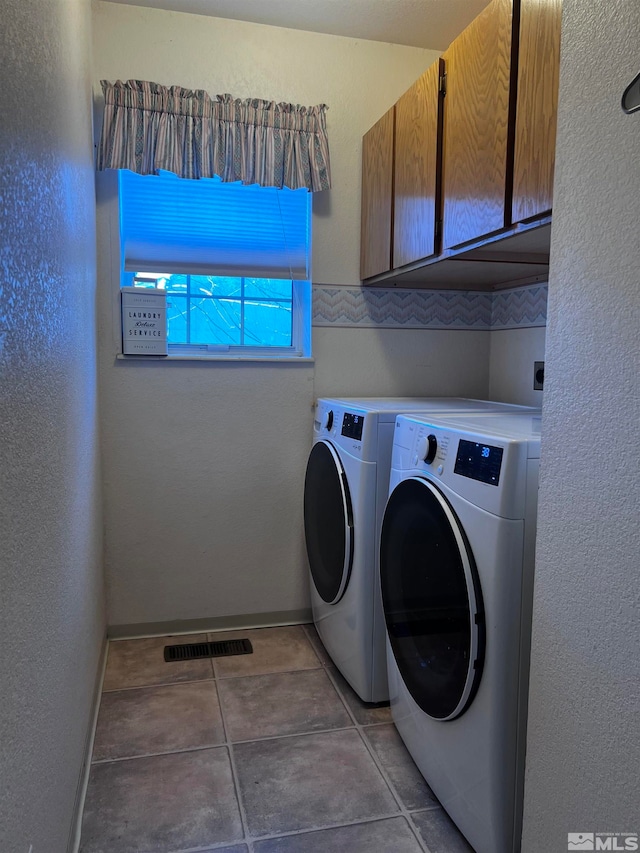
(328, 522)
(432, 599)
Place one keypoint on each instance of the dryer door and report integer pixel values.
(432, 599)
(328, 522)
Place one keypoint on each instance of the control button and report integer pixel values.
(327, 422)
(427, 447)
(415, 459)
(440, 469)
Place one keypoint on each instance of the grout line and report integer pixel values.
(293, 833)
(369, 747)
(304, 733)
(357, 822)
(276, 672)
(215, 677)
(234, 773)
(403, 809)
(293, 734)
(121, 758)
(310, 637)
(218, 845)
(345, 702)
(159, 684)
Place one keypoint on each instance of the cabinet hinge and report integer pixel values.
(443, 84)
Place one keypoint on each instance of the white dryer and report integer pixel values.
(346, 488)
(456, 570)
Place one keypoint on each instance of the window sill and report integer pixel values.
(255, 358)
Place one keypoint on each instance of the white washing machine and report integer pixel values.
(456, 571)
(346, 488)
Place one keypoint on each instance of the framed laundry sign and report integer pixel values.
(144, 321)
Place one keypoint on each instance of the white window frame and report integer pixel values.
(301, 316)
(300, 332)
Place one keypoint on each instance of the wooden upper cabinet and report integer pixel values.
(538, 74)
(377, 197)
(481, 158)
(476, 126)
(417, 170)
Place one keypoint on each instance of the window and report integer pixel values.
(225, 311)
(232, 259)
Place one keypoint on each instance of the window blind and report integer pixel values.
(207, 227)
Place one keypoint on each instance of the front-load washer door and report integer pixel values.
(328, 522)
(432, 599)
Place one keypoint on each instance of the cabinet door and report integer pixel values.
(417, 170)
(476, 126)
(377, 197)
(535, 139)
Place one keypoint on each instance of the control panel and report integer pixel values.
(486, 467)
(478, 461)
(345, 427)
(352, 425)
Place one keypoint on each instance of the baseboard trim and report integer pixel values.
(273, 619)
(83, 780)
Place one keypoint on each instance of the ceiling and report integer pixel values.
(417, 23)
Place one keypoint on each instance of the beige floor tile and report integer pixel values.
(274, 650)
(150, 720)
(365, 713)
(309, 781)
(381, 836)
(316, 642)
(281, 704)
(161, 803)
(140, 663)
(400, 767)
(440, 833)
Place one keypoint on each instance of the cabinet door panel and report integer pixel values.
(538, 74)
(476, 126)
(417, 169)
(377, 196)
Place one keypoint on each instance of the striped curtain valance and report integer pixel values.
(147, 128)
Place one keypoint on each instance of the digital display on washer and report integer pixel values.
(479, 462)
(352, 426)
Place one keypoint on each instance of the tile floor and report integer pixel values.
(264, 753)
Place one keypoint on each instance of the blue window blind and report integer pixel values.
(172, 225)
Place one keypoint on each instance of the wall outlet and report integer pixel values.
(538, 375)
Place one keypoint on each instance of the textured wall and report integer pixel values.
(511, 358)
(204, 463)
(496, 361)
(51, 600)
(584, 731)
(379, 362)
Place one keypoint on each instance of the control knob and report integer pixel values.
(427, 447)
(327, 421)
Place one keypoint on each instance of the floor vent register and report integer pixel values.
(218, 649)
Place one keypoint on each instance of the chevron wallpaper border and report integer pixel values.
(350, 307)
(406, 309)
(519, 308)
